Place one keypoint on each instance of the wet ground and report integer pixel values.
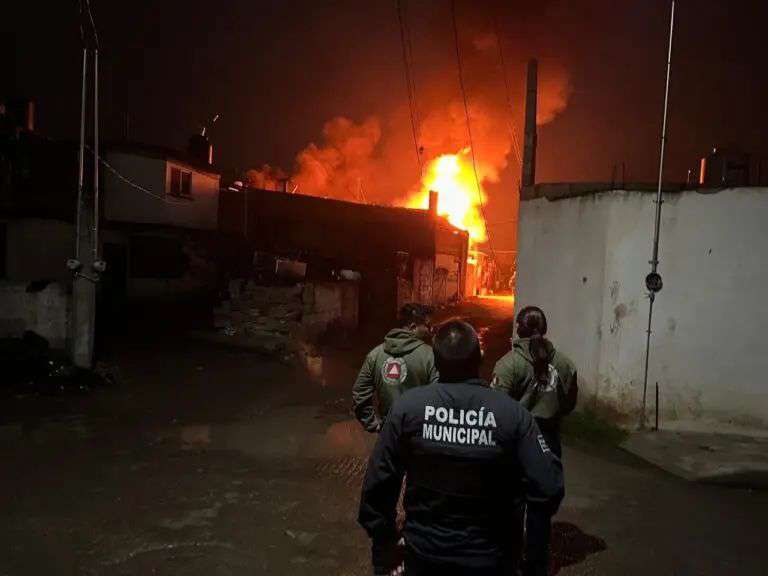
(203, 461)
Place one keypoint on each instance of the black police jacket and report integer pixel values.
(471, 457)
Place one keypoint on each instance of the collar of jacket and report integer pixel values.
(471, 381)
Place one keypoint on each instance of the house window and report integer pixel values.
(181, 183)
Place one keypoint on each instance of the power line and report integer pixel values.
(469, 126)
(85, 9)
(80, 22)
(407, 47)
(510, 117)
(133, 184)
(411, 61)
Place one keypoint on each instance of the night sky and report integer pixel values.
(276, 71)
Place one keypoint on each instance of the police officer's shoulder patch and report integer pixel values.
(394, 371)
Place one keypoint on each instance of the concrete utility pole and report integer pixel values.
(529, 139)
(83, 316)
(86, 265)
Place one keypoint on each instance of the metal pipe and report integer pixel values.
(81, 158)
(647, 355)
(659, 200)
(96, 155)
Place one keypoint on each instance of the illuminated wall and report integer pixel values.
(584, 260)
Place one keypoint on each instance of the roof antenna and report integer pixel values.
(210, 124)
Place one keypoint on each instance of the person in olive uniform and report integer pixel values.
(472, 458)
(544, 381)
(404, 360)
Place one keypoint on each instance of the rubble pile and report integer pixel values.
(264, 318)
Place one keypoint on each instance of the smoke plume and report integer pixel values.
(375, 160)
(554, 92)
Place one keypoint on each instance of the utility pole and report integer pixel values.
(528, 176)
(86, 266)
(83, 316)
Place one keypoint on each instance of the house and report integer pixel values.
(157, 226)
(164, 206)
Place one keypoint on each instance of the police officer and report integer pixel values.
(403, 361)
(472, 457)
(543, 380)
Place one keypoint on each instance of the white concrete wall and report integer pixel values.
(584, 261)
(43, 312)
(125, 203)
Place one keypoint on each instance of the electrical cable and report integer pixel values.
(407, 48)
(93, 24)
(411, 66)
(510, 118)
(80, 22)
(138, 187)
(469, 128)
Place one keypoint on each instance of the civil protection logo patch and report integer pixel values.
(394, 371)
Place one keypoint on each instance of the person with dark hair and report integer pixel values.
(472, 458)
(404, 360)
(544, 381)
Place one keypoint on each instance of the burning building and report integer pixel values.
(398, 254)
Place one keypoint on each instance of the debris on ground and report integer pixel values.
(287, 322)
(30, 366)
(264, 318)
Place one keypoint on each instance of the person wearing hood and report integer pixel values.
(543, 380)
(403, 361)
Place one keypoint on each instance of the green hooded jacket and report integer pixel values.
(514, 375)
(403, 361)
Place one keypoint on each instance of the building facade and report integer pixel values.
(158, 221)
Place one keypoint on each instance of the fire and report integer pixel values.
(452, 177)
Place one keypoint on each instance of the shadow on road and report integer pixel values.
(570, 545)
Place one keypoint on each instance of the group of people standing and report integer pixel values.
(481, 461)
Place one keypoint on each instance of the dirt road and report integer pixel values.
(203, 461)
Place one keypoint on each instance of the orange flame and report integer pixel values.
(452, 177)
